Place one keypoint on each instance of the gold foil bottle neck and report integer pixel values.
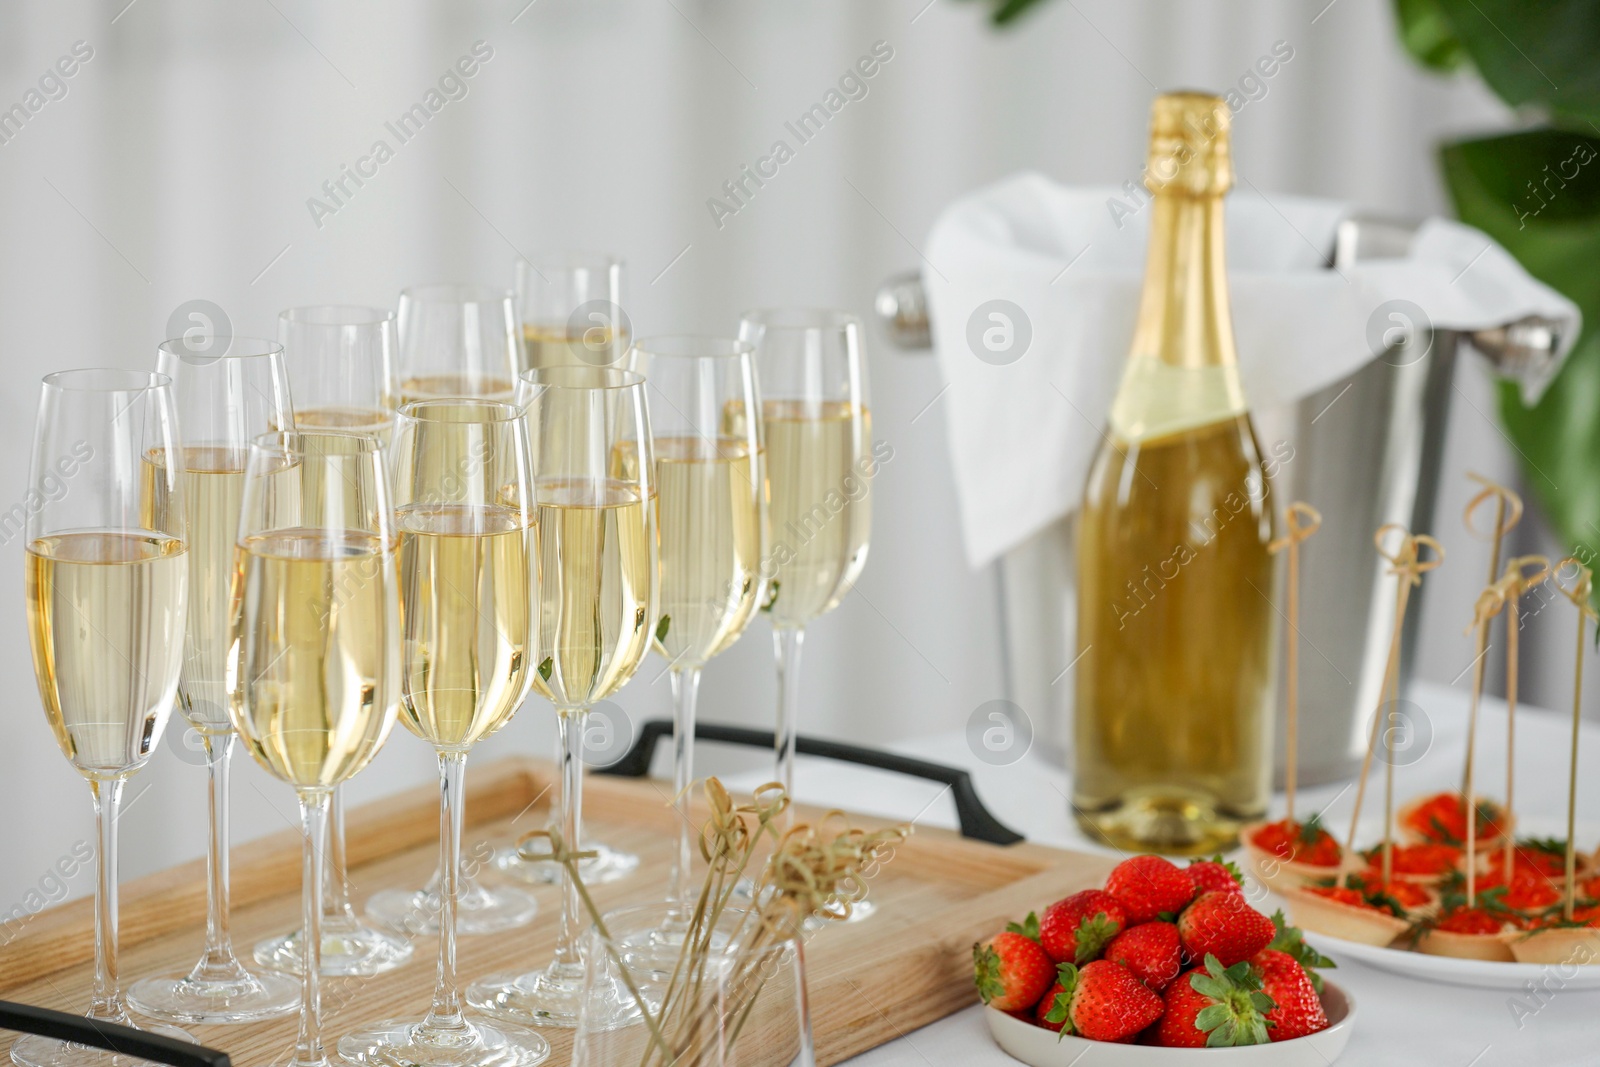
(1189, 151)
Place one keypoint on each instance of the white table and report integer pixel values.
(1402, 1021)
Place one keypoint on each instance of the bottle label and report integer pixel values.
(1157, 399)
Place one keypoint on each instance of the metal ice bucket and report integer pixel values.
(1366, 451)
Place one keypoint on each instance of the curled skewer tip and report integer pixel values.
(1300, 521)
(1492, 490)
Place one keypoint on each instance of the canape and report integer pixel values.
(1425, 863)
(1285, 854)
(1345, 913)
(1440, 818)
(1557, 941)
(1468, 934)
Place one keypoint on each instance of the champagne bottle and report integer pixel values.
(1172, 724)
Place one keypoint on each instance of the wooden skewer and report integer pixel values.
(1301, 520)
(1507, 513)
(1408, 566)
(1578, 593)
(1517, 583)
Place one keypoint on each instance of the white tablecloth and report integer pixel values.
(1402, 1022)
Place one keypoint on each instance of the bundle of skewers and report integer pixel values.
(1438, 880)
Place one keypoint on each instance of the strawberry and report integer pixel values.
(1150, 951)
(1290, 941)
(1223, 925)
(1102, 1002)
(1045, 1006)
(1215, 1007)
(1298, 1012)
(1215, 873)
(1011, 971)
(1149, 887)
(1075, 929)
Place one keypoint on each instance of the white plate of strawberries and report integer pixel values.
(1162, 959)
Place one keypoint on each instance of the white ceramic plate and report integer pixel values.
(1480, 974)
(1038, 1047)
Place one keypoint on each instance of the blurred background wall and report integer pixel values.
(179, 163)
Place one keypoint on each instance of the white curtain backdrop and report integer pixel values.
(179, 163)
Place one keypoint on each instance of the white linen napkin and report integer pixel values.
(1028, 391)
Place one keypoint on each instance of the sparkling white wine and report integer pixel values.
(467, 588)
(316, 653)
(598, 587)
(559, 346)
(711, 510)
(437, 386)
(105, 621)
(213, 486)
(378, 422)
(1175, 617)
(817, 465)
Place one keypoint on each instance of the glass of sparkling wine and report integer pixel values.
(457, 341)
(341, 364)
(599, 584)
(228, 390)
(315, 657)
(712, 500)
(107, 584)
(469, 580)
(570, 304)
(818, 437)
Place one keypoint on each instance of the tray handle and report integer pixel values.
(28, 1019)
(975, 820)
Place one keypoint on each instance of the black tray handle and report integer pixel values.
(27, 1019)
(974, 819)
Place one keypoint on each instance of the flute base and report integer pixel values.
(237, 997)
(34, 1051)
(551, 997)
(606, 865)
(353, 950)
(400, 1044)
(480, 909)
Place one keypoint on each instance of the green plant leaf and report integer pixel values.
(662, 627)
(1426, 32)
(1553, 229)
(1532, 52)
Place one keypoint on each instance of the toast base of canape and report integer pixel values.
(1491, 947)
(1279, 874)
(1559, 945)
(1344, 921)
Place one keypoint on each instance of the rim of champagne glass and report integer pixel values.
(336, 315)
(694, 346)
(802, 318)
(237, 347)
(286, 442)
(572, 258)
(134, 381)
(495, 411)
(456, 293)
(617, 379)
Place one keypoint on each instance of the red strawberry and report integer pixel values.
(1150, 951)
(1011, 971)
(1075, 929)
(1148, 887)
(1290, 941)
(1222, 924)
(1102, 1002)
(1215, 1007)
(1215, 873)
(1046, 1004)
(1298, 1010)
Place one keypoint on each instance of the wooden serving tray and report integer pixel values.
(871, 982)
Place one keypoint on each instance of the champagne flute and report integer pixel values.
(314, 662)
(457, 341)
(469, 569)
(818, 436)
(571, 310)
(340, 361)
(711, 491)
(598, 590)
(228, 390)
(107, 583)
(570, 304)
